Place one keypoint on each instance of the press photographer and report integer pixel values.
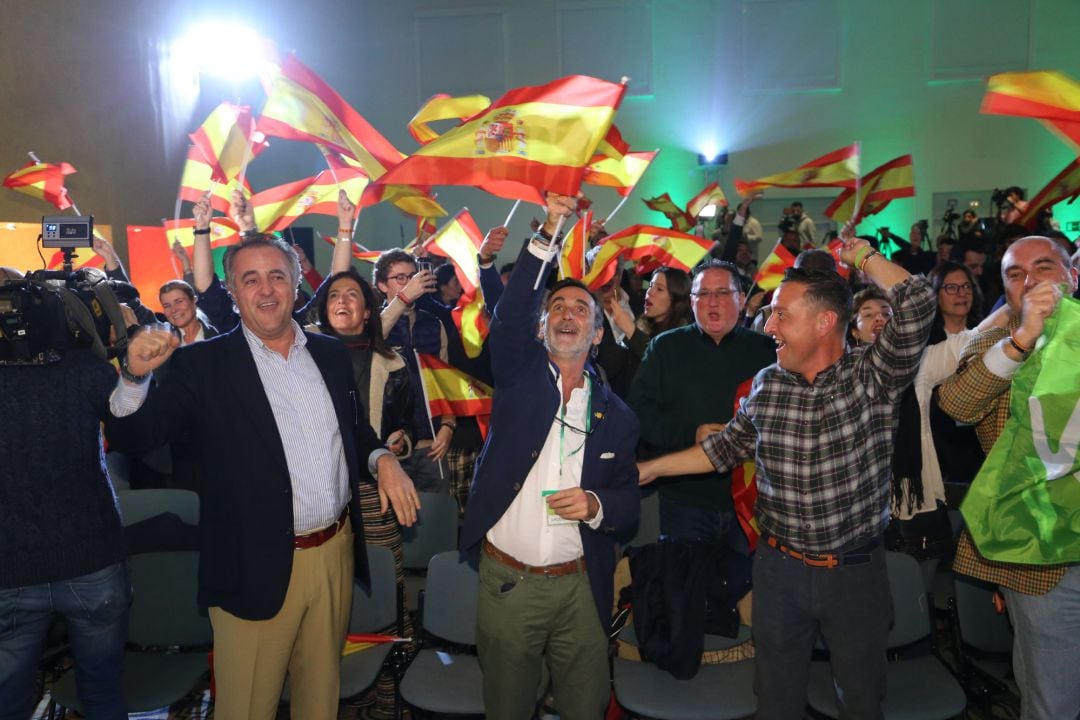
(64, 549)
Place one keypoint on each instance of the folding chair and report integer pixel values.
(917, 687)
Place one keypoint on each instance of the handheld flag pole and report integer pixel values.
(556, 248)
(427, 409)
(510, 215)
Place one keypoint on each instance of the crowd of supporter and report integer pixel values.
(693, 355)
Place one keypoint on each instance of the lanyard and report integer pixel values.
(563, 457)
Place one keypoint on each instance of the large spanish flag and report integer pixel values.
(459, 240)
(530, 140)
(1064, 186)
(197, 178)
(1047, 95)
(279, 207)
(619, 173)
(228, 140)
(771, 272)
(710, 195)
(840, 168)
(45, 181)
(451, 392)
(880, 186)
(301, 106)
(680, 219)
(653, 246)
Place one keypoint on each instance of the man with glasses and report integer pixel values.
(688, 385)
(555, 484)
(409, 330)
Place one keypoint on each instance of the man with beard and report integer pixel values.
(555, 483)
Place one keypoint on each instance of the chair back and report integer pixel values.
(139, 505)
(435, 531)
(451, 594)
(164, 611)
(648, 529)
(911, 616)
(375, 610)
(981, 627)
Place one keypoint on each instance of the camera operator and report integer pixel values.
(971, 230)
(64, 549)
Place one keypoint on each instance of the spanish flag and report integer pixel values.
(358, 250)
(301, 106)
(880, 186)
(530, 140)
(743, 482)
(680, 219)
(197, 179)
(840, 168)
(1047, 95)
(45, 181)
(771, 272)
(451, 392)
(710, 195)
(1064, 186)
(574, 247)
(622, 174)
(223, 231)
(279, 207)
(645, 244)
(459, 241)
(228, 141)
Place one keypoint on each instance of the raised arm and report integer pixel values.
(202, 257)
(346, 213)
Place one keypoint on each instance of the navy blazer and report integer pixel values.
(526, 402)
(214, 392)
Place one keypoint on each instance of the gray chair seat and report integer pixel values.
(717, 692)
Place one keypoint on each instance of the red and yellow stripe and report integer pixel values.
(459, 241)
(839, 168)
(452, 392)
(645, 244)
(228, 140)
(44, 181)
(879, 187)
(1048, 95)
(619, 173)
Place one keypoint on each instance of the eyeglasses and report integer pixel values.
(954, 288)
(401, 277)
(719, 294)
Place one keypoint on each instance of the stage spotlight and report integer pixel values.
(711, 158)
(224, 49)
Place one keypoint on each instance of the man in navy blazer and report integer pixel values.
(282, 444)
(555, 483)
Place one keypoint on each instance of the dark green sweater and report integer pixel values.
(686, 379)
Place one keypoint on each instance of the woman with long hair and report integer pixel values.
(345, 307)
(920, 524)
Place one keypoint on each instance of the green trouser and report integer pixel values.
(524, 619)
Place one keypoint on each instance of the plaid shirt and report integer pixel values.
(824, 450)
(976, 395)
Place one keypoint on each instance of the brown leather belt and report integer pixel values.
(570, 567)
(858, 556)
(317, 538)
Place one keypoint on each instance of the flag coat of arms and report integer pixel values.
(1024, 505)
(530, 140)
